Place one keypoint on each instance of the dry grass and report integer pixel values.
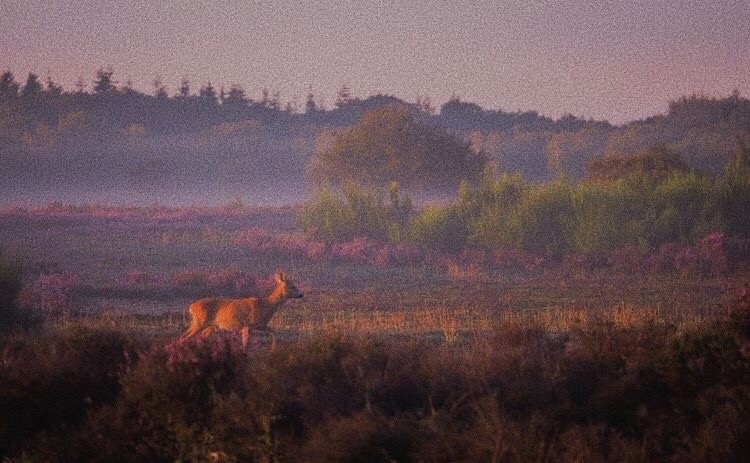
(450, 325)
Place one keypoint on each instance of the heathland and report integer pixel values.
(478, 285)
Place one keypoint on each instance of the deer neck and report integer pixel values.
(277, 296)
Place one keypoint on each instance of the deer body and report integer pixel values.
(212, 313)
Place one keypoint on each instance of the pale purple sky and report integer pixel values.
(614, 60)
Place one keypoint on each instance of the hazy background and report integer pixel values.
(611, 60)
(539, 88)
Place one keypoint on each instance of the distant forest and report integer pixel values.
(209, 144)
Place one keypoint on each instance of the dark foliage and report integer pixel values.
(596, 393)
(12, 317)
(657, 162)
(49, 385)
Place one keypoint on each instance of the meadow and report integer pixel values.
(396, 352)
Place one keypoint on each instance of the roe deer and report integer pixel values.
(212, 313)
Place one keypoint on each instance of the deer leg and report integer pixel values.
(206, 332)
(190, 332)
(245, 332)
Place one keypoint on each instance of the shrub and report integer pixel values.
(492, 211)
(356, 212)
(658, 162)
(546, 218)
(606, 217)
(49, 385)
(440, 228)
(11, 316)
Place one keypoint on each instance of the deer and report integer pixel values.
(212, 313)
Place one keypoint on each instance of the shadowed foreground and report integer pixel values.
(602, 391)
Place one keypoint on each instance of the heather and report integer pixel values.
(400, 349)
(596, 392)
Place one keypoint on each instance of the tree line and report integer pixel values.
(110, 117)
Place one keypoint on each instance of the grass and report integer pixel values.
(416, 363)
(131, 265)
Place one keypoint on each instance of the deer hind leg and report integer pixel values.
(245, 332)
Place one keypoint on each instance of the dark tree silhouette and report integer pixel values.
(8, 86)
(344, 96)
(159, 90)
(184, 90)
(104, 84)
(236, 97)
(53, 89)
(310, 106)
(208, 93)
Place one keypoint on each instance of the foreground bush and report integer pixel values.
(597, 393)
(48, 385)
(12, 317)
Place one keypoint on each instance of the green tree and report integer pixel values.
(390, 144)
(658, 162)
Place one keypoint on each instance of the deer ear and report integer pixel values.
(280, 277)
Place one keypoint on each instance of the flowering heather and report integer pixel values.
(214, 350)
(366, 251)
(230, 279)
(259, 239)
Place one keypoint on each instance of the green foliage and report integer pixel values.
(658, 162)
(606, 216)
(686, 209)
(390, 144)
(441, 228)
(642, 204)
(734, 194)
(332, 216)
(492, 210)
(546, 216)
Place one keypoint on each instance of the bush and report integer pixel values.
(440, 228)
(491, 211)
(12, 317)
(517, 394)
(546, 216)
(49, 385)
(356, 212)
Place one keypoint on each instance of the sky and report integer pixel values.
(607, 60)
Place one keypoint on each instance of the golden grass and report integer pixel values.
(451, 323)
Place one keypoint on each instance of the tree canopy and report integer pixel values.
(390, 144)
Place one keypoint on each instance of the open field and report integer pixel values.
(154, 262)
(394, 353)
